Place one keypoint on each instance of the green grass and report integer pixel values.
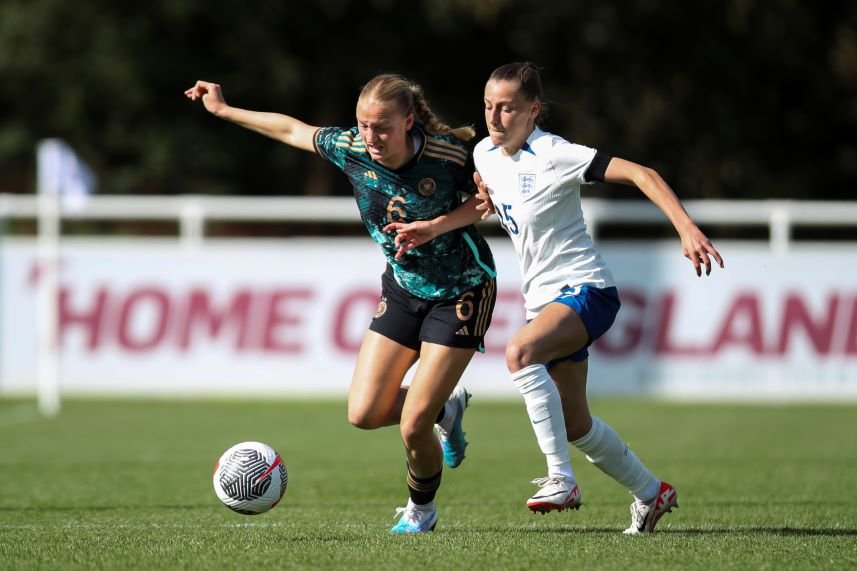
(127, 484)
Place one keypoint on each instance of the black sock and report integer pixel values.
(423, 490)
(441, 414)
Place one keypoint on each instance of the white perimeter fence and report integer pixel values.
(194, 315)
(193, 212)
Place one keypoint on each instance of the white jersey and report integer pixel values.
(536, 195)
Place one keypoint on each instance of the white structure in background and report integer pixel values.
(232, 317)
(63, 182)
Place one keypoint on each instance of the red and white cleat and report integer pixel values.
(555, 493)
(644, 517)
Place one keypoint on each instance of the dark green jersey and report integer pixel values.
(424, 188)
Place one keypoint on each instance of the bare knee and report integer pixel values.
(364, 418)
(415, 430)
(364, 422)
(519, 355)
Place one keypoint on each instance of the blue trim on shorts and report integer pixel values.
(597, 308)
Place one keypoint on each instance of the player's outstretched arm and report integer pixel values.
(695, 245)
(277, 126)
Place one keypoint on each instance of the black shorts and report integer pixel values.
(410, 320)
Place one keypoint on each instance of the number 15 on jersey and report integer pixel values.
(506, 219)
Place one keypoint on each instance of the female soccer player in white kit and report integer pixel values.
(533, 179)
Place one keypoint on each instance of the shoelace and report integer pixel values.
(411, 514)
(441, 433)
(547, 480)
(639, 512)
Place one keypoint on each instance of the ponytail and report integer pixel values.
(409, 98)
(433, 125)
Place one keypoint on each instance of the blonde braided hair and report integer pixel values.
(409, 98)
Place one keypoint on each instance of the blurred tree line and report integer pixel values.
(726, 98)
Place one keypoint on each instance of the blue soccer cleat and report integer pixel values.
(450, 433)
(415, 518)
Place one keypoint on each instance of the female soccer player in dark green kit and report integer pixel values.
(436, 302)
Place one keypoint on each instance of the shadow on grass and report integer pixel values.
(781, 531)
(751, 530)
(101, 508)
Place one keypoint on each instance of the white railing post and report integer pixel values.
(49, 219)
(191, 224)
(780, 230)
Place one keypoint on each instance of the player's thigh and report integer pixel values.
(555, 332)
(439, 370)
(381, 366)
(570, 378)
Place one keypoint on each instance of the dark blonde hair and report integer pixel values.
(408, 97)
(526, 75)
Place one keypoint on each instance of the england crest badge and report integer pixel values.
(526, 183)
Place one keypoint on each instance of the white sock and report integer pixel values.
(605, 449)
(545, 410)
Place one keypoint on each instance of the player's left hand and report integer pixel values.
(699, 250)
(483, 196)
(411, 235)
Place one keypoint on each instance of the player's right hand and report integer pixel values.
(410, 235)
(211, 94)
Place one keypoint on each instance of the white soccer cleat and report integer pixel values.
(555, 493)
(452, 441)
(644, 517)
(415, 518)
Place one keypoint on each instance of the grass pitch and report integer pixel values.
(127, 484)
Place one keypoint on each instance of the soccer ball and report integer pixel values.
(250, 478)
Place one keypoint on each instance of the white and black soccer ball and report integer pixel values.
(250, 478)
